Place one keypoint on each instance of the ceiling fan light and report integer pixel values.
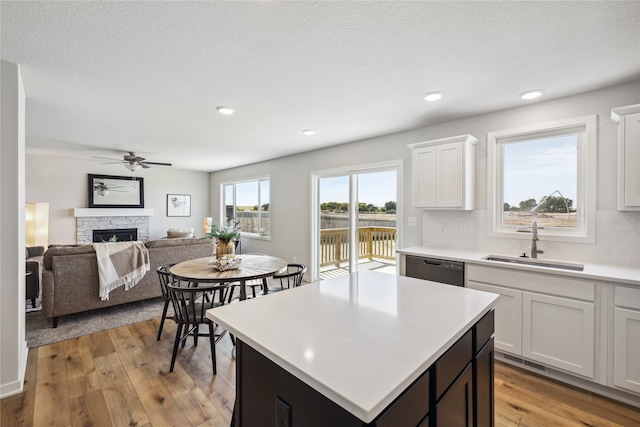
(132, 166)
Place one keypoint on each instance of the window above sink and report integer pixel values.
(543, 172)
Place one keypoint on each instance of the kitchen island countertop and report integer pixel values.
(360, 339)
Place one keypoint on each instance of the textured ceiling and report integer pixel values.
(103, 78)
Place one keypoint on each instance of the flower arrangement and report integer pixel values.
(229, 231)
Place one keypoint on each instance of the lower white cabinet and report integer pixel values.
(626, 339)
(508, 317)
(555, 325)
(559, 332)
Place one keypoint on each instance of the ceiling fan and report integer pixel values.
(133, 162)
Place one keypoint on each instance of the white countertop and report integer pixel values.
(360, 339)
(593, 271)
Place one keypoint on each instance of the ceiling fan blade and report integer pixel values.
(108, 158)
(157, 163)
(144, 165)
(113, 163)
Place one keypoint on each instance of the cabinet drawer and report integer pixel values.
(410, 408)
(533, 281)
(627, 297)
(450, 364)
(483, 331)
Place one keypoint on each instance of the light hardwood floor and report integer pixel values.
(121, 377)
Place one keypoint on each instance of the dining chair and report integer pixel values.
(165, 279)
(190, 304)
(254, 285)
(290, 278)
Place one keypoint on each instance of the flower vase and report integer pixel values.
(225, 249)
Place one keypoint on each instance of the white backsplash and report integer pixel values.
(617, 238)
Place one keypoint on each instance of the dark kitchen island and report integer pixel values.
(366, 349)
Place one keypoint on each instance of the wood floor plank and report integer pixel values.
(90, 409)
(101, 344)
(157, 399)
(51, 406)
(81, 372)
(130, 353)
(123, 403)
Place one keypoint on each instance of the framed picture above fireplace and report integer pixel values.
(110, 191)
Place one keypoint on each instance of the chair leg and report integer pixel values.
(175, 346)
(212, 343)
(164, 315)
(33, 303)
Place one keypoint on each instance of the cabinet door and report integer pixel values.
(449, 192)
(508, 320)
(483, 395)
(559, 332)
(631, 135)
(455, 408)
(626, 349)
(424, 175)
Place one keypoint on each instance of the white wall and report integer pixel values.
(618, 237)
(63, 183)
(13, 347)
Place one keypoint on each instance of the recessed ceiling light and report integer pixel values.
(309, 132)
(226, 110)
(531, 94)
(432, 96)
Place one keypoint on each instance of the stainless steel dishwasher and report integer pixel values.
(436, 270)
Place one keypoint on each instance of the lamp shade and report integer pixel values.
(37, 224)
(206, 226)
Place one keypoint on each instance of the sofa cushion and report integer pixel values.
(55, 250)
(179, 233)
(177, 242)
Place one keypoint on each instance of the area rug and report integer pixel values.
(39, 330)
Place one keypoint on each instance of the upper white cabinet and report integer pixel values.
(443, 173)
(628, 119)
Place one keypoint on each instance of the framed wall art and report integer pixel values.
(178, 205)
(109, 191)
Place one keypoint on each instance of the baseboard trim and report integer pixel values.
(17, 386)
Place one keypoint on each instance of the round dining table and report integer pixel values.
(251, 267)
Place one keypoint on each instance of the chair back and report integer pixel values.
(191, 303)
(165, 279)
(292, 277)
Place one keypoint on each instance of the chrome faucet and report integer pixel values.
(534, 240)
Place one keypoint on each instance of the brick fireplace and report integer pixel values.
(90, 219)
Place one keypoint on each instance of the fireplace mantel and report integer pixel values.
(96, 212)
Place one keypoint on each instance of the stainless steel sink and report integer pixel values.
(536, 262)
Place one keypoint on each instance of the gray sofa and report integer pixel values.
(70, 275)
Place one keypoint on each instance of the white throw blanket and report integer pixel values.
(120, 263)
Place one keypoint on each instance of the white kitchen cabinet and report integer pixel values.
(559, 332)
(443, 173)
(626, 339)
(628, 119)
(542, 317)
(508, 317)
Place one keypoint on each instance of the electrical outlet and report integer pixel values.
(283, 413)
(294, 260)
(411, 221)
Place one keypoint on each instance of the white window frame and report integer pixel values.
(586, 192)
(223, 216)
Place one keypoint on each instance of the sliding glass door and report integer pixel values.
(355, 227)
